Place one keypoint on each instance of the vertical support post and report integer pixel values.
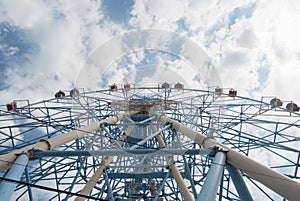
(110, 195)
(28, 180)
(161, 186)
(239, 183)
(298, 160)
(213, 178)
(188, 172)
(15, 172)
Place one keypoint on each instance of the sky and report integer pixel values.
(252, 45)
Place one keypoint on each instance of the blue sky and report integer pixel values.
(254, 45)
(117, 10)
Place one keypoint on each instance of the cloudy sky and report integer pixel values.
(254, 45)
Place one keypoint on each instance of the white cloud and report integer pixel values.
(247, 39)
(153, 14)
(25, 13)
(276, 27)
(65, 33)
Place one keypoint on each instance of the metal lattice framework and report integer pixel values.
(151, 143)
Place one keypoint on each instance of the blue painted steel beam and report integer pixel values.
(140, 143)
(239, 183)
(15, 172)
(110, 192)
(28, 180)
(161, 186)
(213, 178)
(189, 176)
(81, 161)
(149, 175)
(122, 152)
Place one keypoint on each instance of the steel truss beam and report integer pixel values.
(36, 154)
(239, 184)
(105, 163)
(8, 159)
(161, 186)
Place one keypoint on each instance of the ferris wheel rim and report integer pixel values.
(107, 91)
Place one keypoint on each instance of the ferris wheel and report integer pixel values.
(164, 142)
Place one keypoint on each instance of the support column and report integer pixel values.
(15, 172)
(239, 184)
(210, 188)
